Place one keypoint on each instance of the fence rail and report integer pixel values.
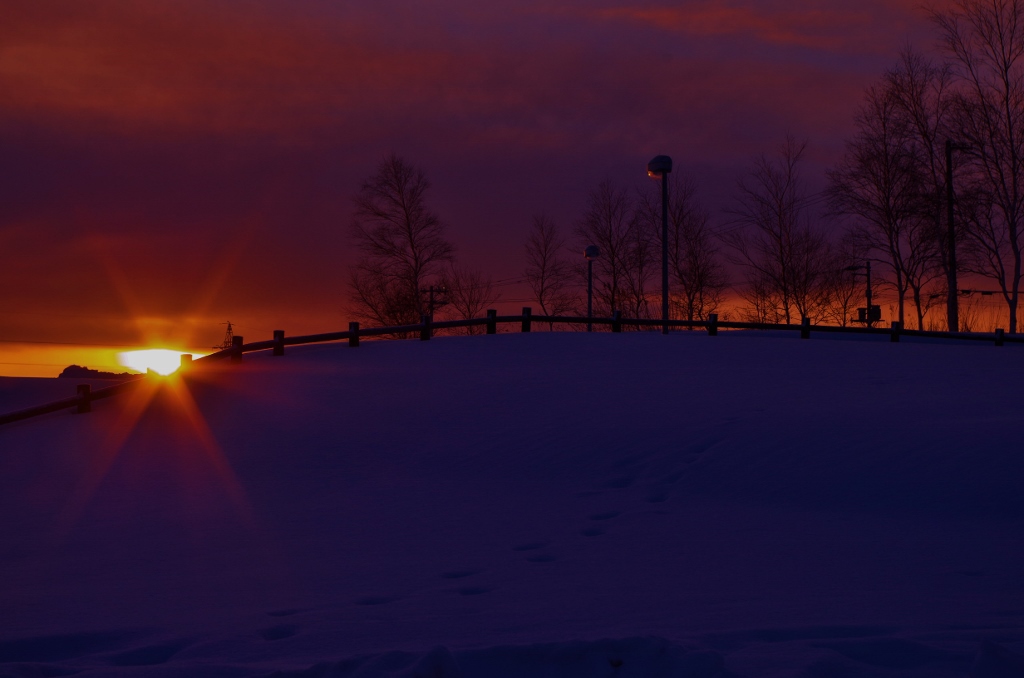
(82, 401)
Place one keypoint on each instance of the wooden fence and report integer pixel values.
(82, 401)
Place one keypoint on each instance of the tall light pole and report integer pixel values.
(952, 312)
(592, 252)
(660, 166)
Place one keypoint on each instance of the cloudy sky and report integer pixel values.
(166, 165)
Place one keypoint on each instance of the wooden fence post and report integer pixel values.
(353, 337)
(894, 337)
(712, 324)
(236, 349)
(805, 328)
(1000, 336)
(84, 398)
(186, 362)
(492, 322)
(617, 321)
(527, 318)
(278, 342)
(425, 330)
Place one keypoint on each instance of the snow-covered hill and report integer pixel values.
(527, 505)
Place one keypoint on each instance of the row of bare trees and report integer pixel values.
(407, 267)
(931, 124)
(625, 225)
(954, 120)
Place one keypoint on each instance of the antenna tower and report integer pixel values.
(229, 336)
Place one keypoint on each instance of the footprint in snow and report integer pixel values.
(474, 590)
(620, 483)
(459, 574)
(375, 600)
(283, 613)
(595, 531)
(541, 558)
(530, 546)
(279, 632)
(607, 515)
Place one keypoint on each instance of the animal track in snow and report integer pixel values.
(459, 574)
(620, 483)
(279, 632)
(283, 613)
(530, 546)
(474, 590)
(375, 600)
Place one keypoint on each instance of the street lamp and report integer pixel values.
(660, 166)
(592, 252)
(952, 312)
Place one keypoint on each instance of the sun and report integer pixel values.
(159, 360)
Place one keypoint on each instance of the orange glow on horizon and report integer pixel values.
(160, 360)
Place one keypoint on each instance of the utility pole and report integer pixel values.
(952, 312)
(590, 253)
(867, 266)
(868, 317)
(435, 298)
(229, 337)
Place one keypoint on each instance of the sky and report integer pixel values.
(170, 165)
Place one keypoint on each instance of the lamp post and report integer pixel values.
(660, 166)
(592, 252)
(952, 312)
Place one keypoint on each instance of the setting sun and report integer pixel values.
(159, 360)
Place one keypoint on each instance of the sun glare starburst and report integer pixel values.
(159, 360)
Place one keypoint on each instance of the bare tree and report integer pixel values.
(984, 40)
(923, 92)
(880, 185)
(639, 263)
(469, 293)
(841, 290)
(401, 243)
(607, 223)
(773, 239)
(695, 266)
(548, 274)
(760, 295)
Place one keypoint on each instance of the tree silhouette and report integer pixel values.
(784, 257)
(880, 184)
(401, 243)
(697, 273)
(608, 222)
(468, 293)
(984, 40)
(547, 272)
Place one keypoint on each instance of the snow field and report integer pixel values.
(527, 505)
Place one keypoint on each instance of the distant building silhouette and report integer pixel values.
(79, 372)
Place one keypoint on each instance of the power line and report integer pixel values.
(66, 343)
